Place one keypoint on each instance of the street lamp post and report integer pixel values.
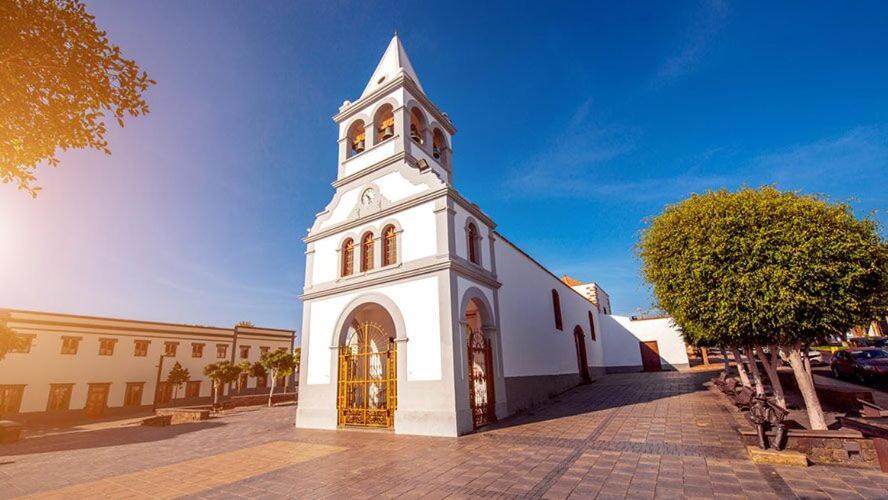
(157, 383)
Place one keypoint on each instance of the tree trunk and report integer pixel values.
(271, 391)
(727, 363)
(705, 353)
(771, 366)
(806, 387)
(756, 375)
(215, 394)
(741, 370)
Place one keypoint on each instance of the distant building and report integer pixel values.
(84, 366)
(418, 315)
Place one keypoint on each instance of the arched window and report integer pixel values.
(367, 252)
(348, 257)
(356, 138)
(384, 123)
(472, 242)
(556, 305)
(591, 326)
(417, 126)
(389, 245)
(439, 145)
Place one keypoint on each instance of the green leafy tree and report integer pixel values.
(760, 267)
(177, 376)
(280, 363)
(10, 341)
(59, 77)
(247, 324)
(221, 373)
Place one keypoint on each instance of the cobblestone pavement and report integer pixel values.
(636, 435)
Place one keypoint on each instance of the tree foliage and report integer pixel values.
(760, 266)
(59, 76)
(279, 364)
(178, 376)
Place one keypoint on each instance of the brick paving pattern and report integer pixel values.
(625, 436)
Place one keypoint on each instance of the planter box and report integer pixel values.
(843, 446)
(157, 421)
(10, 431)
(183, 415)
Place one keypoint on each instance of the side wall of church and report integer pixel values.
(622, 336)
(539, 359)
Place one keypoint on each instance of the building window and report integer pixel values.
(389, 245)
(133, 396)
(221, 351)
(367, 252)
(591, 326)
(192, 389)
(106, 347)
(244, 351)
(11, 398)
(263, 350)
(472, 242)
(348, 257)
(70, 345)
(197, 350)
(59, 397)
(169, 348)
(140, 348)
(556, 305)
(23, 346)
(262, 381)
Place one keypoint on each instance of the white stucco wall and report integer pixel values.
(45, 365)
(418, 302)
(622, 336)
(531, 343)
(418, 239)
(459, 222)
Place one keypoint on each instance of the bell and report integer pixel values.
(358, 146)
(415, 135)
(436, 152)
(388, 132)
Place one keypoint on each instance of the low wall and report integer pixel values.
(527, 392)
(183, 415)
(844, 447)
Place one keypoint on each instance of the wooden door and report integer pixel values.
(650, 356)
(582, 360)
(96, 400)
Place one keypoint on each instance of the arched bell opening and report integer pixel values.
(480, 363)
(368, 369)
(384, 123)
(356, 138)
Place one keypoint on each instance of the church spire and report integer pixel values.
(394, 62)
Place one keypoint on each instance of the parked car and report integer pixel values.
(862, 365)
(879, 342)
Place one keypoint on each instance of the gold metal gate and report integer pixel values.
(368, 382)
(480, 379)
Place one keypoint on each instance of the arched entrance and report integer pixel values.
(481, 382)
(582, 360)
(368, 380)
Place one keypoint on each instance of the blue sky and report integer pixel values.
(575, 122)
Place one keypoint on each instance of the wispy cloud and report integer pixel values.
(857, 154)
(707, 23)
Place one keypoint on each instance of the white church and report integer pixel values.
(418, 316)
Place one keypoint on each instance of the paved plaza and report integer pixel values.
(657, 435)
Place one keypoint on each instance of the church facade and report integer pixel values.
(417, 314)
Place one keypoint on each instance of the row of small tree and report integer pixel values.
(273, 364)
(762, 272)
(278, 364)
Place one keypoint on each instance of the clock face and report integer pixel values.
(367, 197)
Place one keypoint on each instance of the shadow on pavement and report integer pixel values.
(610, 391)
(101, 438)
